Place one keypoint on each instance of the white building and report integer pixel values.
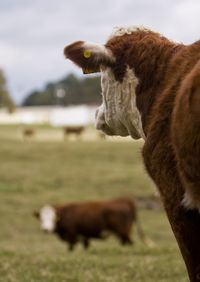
(53, 115)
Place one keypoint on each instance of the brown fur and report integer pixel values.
(82, 221)
(28, 132)
(77, 130)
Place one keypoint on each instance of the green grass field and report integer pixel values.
(35, 173)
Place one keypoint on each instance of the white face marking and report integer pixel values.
(118, 114)
(47, 218)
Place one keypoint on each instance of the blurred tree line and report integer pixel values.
(5, 99)
(69, 91)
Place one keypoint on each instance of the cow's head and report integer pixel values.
(47, 218)
(118, 114)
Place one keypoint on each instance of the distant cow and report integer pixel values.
(78, 221)
(76, 130)
(28, 132)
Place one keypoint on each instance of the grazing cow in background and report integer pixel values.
(82, 221)
(76, 130)
(151, 89)
(28, 132)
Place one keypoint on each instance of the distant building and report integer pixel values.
(53, 115)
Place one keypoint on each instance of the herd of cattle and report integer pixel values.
(76, 131)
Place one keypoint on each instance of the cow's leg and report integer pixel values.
(86, 243)
(185, 223)
(125, 239)
(71, 245)
(186, 227)
(65, 134)
(72, 240)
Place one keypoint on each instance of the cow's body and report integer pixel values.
(76, 130)
(82, 221)
(156, 95)
(28, 132)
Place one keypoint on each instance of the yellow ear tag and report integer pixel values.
(87, 54)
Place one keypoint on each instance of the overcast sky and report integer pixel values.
(34, 33)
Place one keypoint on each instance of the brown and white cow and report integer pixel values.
(76, 130)
(28, 132)
(82, 221)
(151, 89)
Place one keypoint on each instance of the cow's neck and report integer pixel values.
(152, 72)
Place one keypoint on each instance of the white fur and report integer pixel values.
(47, 218)
(118, 114)
(190, 202)
(99, 50)
(122, 30)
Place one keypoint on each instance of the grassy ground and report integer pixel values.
(35, 173)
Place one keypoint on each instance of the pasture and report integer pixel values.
(35, 172)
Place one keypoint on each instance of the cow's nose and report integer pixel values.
(99, 119)
(44, 229)
(100, 124)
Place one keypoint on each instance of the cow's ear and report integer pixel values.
(36, 214)
(89, 56)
